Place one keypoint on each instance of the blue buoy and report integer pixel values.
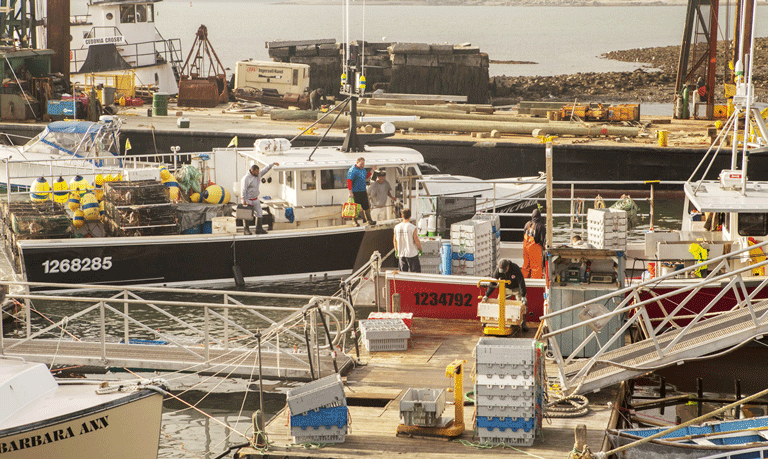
(197, 229)
(445, 258)
(207, 227)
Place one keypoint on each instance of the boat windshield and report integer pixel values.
(80, 139)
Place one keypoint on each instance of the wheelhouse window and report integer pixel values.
(127, 14)
(333, 179)
(141, 13)
(289, 179)
(308, 181)
(753, 224)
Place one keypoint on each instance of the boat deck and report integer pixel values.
(374, 390)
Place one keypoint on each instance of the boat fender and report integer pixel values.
(599, 203)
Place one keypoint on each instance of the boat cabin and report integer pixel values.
(309, 186)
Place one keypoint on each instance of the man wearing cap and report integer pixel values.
(510, 271)
(249, 193)
(379, 192)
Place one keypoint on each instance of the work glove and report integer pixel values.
(396, 255)
(421, 253)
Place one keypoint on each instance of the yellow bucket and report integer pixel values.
(663, 136)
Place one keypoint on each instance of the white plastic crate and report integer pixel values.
(322, 393)
(379, 345)
(497, 437)
(384, 329)
(319, 435)
(430, 245)
(406, 317)
(422, 407)
(504, 380)
(490, 309)
(431, 270)
(500, 369)
(482, 399)
(505, 350)
(429, 261)
(510, 411)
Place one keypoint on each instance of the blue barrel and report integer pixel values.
(197, 229)
(445, 258)
(207, 227)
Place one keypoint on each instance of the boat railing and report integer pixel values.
(577, 195)
(179, 329)
(138, 54)
(679, 334)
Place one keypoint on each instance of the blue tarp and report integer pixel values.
(73, 127)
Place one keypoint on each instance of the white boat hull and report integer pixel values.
(124, 428)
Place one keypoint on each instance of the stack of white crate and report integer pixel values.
(508, 390)
(496, 229)
(385, 334)
(430, 258)
(319, 411)
(607, 228)
(472, 248)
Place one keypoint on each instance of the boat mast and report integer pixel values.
(351, 88)
(744, 96)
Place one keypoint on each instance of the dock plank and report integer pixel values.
(386, 375)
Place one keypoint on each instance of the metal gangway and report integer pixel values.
(230, 333)
(678, 335)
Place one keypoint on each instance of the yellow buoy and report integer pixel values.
(90, 206)
(194, 197)
(79, 184)
(215, 194)
(79, 219)
(40, 190)
(102, 212)
(74, 201)
(60, 190)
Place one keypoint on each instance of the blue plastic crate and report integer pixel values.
(324, 417)
(506, 423)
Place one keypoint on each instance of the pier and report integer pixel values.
(374, 390)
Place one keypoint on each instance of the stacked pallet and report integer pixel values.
(139, 208)
(607, 228)
(471, 246)
(319, 411)
(496, 229)
(430, 258)
(385, 334)
(509, 389)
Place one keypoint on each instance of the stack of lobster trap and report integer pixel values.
(139, 208)
(33, 220)
(319, 412)
(509, 390)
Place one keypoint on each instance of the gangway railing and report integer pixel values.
(184, 330)
(677, 337)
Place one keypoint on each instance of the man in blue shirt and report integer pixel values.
(356, 177)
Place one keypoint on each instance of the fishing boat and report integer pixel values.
(119, 37)
(64, 148)
(715, 438)
(40, 417)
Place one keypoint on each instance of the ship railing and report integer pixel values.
(138, 54)
(579, 195)
(680, 334)
(182, 330)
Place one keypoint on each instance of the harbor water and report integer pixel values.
(225, 404)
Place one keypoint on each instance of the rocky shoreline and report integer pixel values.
(654, 82)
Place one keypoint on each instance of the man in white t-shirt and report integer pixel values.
(407, 244)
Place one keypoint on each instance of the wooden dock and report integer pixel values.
(374, 391)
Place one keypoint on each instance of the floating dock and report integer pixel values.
(374, 390)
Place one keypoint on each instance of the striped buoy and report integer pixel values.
(79, 184)
(74, 201)
(98, 187)
(79, 219)
(40, 190)
(194, 197)
(60, 190)
(215, 194)
(90, 206)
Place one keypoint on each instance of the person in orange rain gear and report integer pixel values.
(533, 247)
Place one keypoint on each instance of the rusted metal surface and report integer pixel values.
(203, 80)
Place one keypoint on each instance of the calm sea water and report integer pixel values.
(560, 40)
